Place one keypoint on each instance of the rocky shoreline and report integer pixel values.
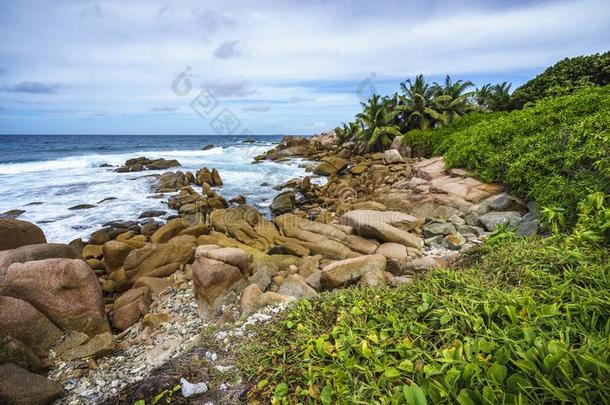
(100, 318)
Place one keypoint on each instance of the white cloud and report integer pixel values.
(123, 56)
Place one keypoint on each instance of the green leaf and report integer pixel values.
(497, 373)
(391, 373)
(406, 365)
(414, 395)
(446, 318)
(281, 390)
(327, 395)
(262, 384)
(464, 398)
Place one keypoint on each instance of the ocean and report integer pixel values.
(47, 174)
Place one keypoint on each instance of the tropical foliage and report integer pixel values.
(523, 321)
(421, 105)
(554, 152)
(565, 77)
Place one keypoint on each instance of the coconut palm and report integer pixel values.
(347, 131)
(494, 97)
(452, 99)
(416, 107)
(377, 124)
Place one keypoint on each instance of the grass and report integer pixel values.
(523, 322)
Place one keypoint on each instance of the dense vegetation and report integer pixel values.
(565, 77)
(527, 321)
(519, 320)
(554, 152)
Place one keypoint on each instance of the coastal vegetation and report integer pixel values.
(555, 150)
(518, 321)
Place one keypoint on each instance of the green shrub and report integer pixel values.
(564, 77)
(529, 323)
(554, 152)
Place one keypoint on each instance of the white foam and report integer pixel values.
(63, 183)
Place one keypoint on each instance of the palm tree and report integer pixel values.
(494, 98)
(451, 99)
(500, 97)
(482, 95)
(377, 124)
(416, 107)
(347, 131)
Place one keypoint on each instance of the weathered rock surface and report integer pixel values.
(385, 226)
(65, 290)
(15, 233)
(345, 272)
(20, 387)
(215, 282)
(22, 321)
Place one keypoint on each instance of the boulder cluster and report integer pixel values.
(142, 163)
(379, 220)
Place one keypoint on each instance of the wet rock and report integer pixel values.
(81, 207)
(106, 200)
(238, 200)
(143, 163)
(345, 272)
(12, 214)
(283, 203)
(208, 147)
(15, 233)
(152, 213)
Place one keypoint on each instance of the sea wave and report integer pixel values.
(96, 160)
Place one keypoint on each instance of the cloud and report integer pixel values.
(32, 88)
(296, 99)
(228, 49)
(2, 70)
(163, 109)
(257, 107)
(236, 89)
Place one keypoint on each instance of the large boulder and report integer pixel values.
(392, 156)
(385, 226)
(115, 253)
(168, 231)
(29, 253)
(159, 259)
(215, 282)
(65, 290)
(295, 286)
(15, 233)
(20, 387)
(401, 146)
(20, 320)
(330, 165)
(283, 203)
(348, 271)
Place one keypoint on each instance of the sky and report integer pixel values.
(262, 67)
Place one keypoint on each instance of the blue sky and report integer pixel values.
(108, 66)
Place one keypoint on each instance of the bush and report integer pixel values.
(555, 152)
(564, 77)
(528, 323)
